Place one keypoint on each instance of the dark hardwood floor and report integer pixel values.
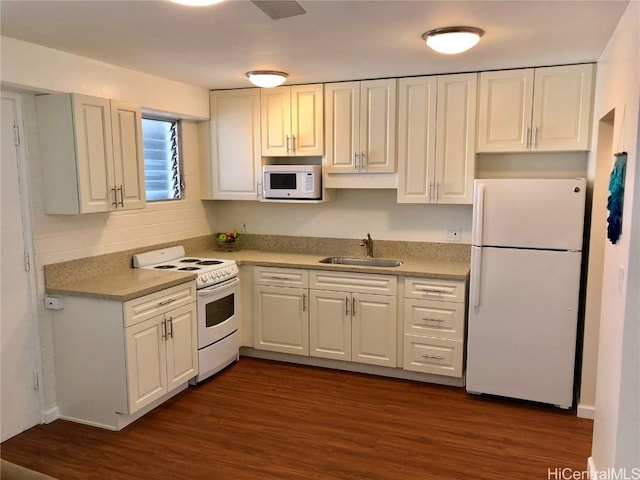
(267, 420)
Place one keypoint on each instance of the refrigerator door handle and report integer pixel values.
(476, 267)
(478, 212)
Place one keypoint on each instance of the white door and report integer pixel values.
(374, 329)
(18, 328)
(330, 324)
(306, 120)
(523, 313)
(181, 345)
(275, 110)
(378, 126)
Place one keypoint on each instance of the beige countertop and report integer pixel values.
(124, 285)
(129, 283)
(411, 267)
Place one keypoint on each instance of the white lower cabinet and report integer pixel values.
(347, 323)
(117, 360)
(434, 326)
(281, 314)
(160, 355)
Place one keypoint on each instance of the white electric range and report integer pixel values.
(218, 304)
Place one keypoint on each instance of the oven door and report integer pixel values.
(218, 312)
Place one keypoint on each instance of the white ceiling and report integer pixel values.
(335, 40)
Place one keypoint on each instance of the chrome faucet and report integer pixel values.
(367, 243)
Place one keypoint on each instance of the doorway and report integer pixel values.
(20, 397)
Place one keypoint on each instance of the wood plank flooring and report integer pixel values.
(267, 420)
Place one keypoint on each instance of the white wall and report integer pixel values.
(39, 69)
(353, 214)
(616, 435)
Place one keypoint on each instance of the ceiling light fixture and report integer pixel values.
(197, 3)
(450, 40)
(267, 78)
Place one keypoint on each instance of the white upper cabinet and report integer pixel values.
(232, 170)
(292, 121)
(92, 154)
(541, 109)
(360, 126)
(436, 139)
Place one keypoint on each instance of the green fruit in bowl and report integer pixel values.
(222, 237)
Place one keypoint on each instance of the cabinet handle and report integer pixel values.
(115, 197)
(293, 143)
(346, 305)
(429, 192)
(356, 164)
(430, 291)
(304, 302)
(274, 277)
(361, 159)
(170, 334)
(164, 329)
(287, 144)
(535, 138)
(528, 138)
(433, 357)
(353, 306)
(121, 190)
(437, 191)
(437, 320)
(166, 302)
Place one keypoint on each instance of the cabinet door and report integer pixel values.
(504, 111)
(374, 320)
(562, 102)
(378, 126)
(94, 153)
(342, 126)
(281, 319)
(455, 144)
(434, 319)
(416, 139)
(181, 345)
(275, 111)
(306, 121)
(234, 169)
(128, 157)
(146, 362)
(330, 324)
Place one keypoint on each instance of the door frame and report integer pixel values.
(27, 225)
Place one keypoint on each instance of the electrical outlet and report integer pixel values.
(53, 303)
(454, 234)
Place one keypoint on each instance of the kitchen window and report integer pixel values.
(162, 168)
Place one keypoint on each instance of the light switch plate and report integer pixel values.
(453, 234)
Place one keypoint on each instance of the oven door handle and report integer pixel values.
(218, 286)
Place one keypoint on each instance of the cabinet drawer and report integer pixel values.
(434, 289)
(140, 309)
(434, 318)
(353, 282)
(438, 356)
(281, 277)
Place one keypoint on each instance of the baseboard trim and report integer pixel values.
(50, 414)
(591, 468)
(586, 411)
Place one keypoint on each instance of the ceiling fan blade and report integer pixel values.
(277, 9)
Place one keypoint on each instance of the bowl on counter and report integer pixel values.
(228, 242)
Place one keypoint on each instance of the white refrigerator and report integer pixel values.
(525, 281)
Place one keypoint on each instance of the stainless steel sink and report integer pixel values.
(364, 262)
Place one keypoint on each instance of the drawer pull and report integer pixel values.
(433, 357)
(278, 278)
(166, 302)
(346, 305)
(437, 320)
(431, 291)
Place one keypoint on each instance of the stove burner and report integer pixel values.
(189, 269)
(189, 260)
(164, 267)
(209, 262)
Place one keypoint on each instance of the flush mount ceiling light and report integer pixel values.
(197, 3)
(452, 40)
(267, 78)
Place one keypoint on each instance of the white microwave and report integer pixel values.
(292, 181)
